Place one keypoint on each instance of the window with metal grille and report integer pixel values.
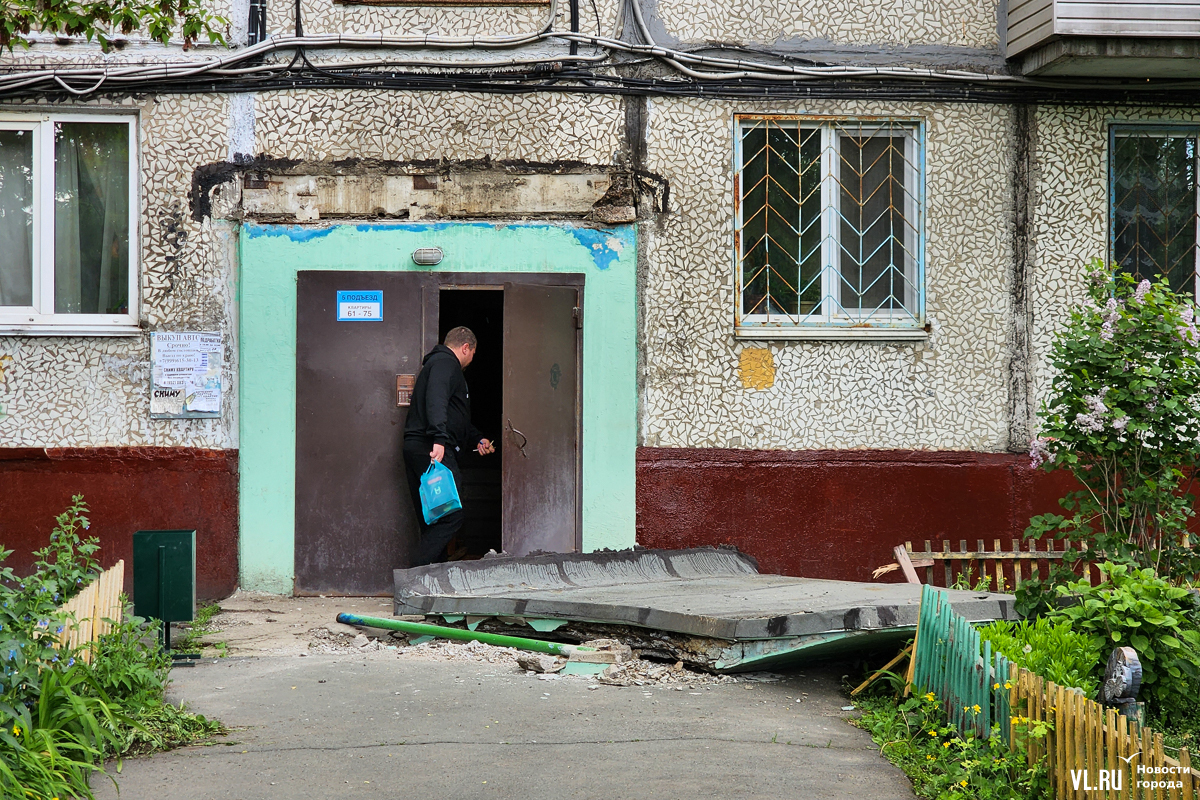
(829, 227)
(1153, 206)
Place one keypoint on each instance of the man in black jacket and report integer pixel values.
(438, 427)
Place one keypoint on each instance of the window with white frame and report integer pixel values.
(67, 223)
(829, 228)
(1153, 215)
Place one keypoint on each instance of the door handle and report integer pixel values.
(524, 440)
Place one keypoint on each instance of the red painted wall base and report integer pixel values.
(128, 489)
(835, 513)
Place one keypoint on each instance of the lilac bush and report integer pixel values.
(1123, 415)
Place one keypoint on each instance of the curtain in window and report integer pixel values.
(91, 218)
(16, 218)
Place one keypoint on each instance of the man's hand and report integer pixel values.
(485, 447)
(437, 453)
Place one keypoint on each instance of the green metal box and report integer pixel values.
(164, 575)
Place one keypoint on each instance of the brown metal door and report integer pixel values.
(541, 418)
(354, 518)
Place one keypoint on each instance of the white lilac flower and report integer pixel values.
(1139, 294)
(1092, 421)
(1039, 452)
(1119, 423)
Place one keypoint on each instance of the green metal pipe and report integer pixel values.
(497, 639)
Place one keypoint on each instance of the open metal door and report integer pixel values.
(542, 404)
(354, 517)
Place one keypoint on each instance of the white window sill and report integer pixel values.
(831, 333)
(69, 330)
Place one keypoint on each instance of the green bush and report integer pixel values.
(30, 623)
(60, 717)
(1136, 608)
(1052, 650)
(944, 765)
(1122, 414)
(51, 747)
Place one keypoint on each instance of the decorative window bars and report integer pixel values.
(829, 229)
(1153, 215)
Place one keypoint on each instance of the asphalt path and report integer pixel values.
(377, 726)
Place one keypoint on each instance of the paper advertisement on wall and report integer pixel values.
(185, 375)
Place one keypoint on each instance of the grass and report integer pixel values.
(165, 726)
(942, 764)
(197, 629)
(1183, 730)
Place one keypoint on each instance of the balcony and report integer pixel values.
(1103, 38)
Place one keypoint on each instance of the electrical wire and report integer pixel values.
(694, 73)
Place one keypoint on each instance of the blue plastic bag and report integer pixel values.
(439, 495)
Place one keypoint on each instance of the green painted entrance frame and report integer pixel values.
(272, 255)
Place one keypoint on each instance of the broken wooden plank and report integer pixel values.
(906, 564)
(905, 653)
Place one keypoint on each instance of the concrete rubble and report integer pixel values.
(540, 662)
(625, 667)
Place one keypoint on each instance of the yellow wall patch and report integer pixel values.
(756, 368)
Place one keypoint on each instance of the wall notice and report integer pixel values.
(185, 375)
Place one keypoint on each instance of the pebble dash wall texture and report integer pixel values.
(327, 16)
(94, 391)
(965, 23)
(447, 125)
(947, 392)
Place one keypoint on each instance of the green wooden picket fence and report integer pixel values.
(1082, 737)
(962, 672)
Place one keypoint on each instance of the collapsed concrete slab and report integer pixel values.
(712, 606)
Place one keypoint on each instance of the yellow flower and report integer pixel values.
(945, 744)
(976, 707)
(929, 696)
(933, 733)
(1007, 685)
(16, 731)
(962, 783)
(929, 758)
(995, 686)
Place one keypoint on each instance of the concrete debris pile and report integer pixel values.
(463, 651)
(329, 639)
(638, 672)
(625, 667)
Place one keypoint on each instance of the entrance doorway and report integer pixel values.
(481, 310)
(354, 518)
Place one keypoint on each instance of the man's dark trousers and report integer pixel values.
(435, 537)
